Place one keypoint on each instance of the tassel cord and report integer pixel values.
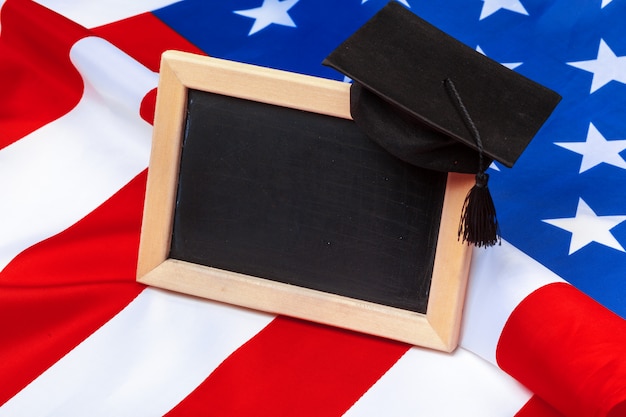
(468, 122)
(479, 224)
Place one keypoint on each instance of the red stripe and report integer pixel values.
(293, 368)
(536, 407)
(44, 85)
(145, 38)
(58, 292)
(42, 324)
(148, 104)
(100, 247)
(567, 349)
(618, 411)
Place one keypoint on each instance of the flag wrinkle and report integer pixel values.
(99, 148)
(44, 83)
(121, 82)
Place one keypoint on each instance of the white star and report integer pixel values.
(405, 2)
(587, 227)
(606, 67)
(494, 166)
(605, 3)
(272, 11)
(492, 6)
(510, 65)
(596, 150)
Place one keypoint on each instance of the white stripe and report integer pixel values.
(500, 278)
(143, 362)
(61, 172)
(93, 13)
(429, 383)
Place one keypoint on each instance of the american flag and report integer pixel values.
(543, 331)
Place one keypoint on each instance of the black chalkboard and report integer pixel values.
(305, 199)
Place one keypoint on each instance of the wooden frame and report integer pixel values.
(437, 329)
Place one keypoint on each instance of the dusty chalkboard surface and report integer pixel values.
(263, 193)
(305, 199)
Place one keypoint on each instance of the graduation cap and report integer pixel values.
(434, 102)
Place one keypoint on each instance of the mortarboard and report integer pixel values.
(434, 102)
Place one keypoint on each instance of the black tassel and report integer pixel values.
(479, 224)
